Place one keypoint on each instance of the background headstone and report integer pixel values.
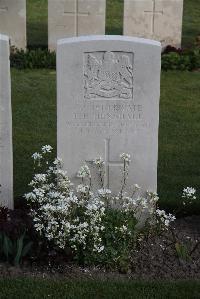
(155, 19)
(13, 21)
(108, 91)
(6, 154)
(68, 18)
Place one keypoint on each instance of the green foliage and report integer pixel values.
(195, 58)
(189, 60)
(118, 245)
(14, 250)
(39, 58)
(173, 61)
(32, 59)
(182, 252)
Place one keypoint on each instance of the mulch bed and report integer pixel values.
(156, 259)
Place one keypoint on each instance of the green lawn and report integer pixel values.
(179, 141)
(114, 16)
(34, 124)
(63, 289)
(37, 23)
(191, 21)
(34, 119)
(37, 29)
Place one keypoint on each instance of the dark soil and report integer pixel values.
(155, 259)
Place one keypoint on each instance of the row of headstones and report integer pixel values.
(155, 19)
(107, 103)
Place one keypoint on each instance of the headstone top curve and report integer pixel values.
(87, 38)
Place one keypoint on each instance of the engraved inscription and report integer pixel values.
(106, 119)
(108, 75)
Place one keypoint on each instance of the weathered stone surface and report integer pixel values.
(68, 18)
(156, 19)
(13, 21)
(6, 160)
(108, 103)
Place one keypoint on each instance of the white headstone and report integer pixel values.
(13, 21)
(68, 18)
(156, 19)
(108, 91)
(6, 160)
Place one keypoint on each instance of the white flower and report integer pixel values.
(104, 192)
(40, 177)
(46, 149)
(189, 190)
(98, 161)
(98, 248)
(84, 172)
(136, 187)
(57, 161)
(123, 229)
(125, 157)
(164, 217)
(30, 196)
(36, 156)
(82, 188)
(189, 194)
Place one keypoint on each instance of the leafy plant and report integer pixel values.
(32, 59)
(182, 252)
(98, 227)
(172, 59)
(15, 227)
(14, 250)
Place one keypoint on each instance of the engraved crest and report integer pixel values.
(108, 75)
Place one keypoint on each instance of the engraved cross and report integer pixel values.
(76, 15)
(153, 13)
(108, 162)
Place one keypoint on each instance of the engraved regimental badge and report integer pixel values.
(108, 75)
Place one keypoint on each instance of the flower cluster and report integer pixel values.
(189, 194)
(125, 157)
(84, 172)
(58, 213)
(81, 217)
(163, 218)
(98, 162)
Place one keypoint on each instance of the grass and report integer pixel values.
(114, 17)
(179, 141)
(191, 21)
(34, 124)
(37, 23)
(37, 29)
(38, 289)
(34, 120)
